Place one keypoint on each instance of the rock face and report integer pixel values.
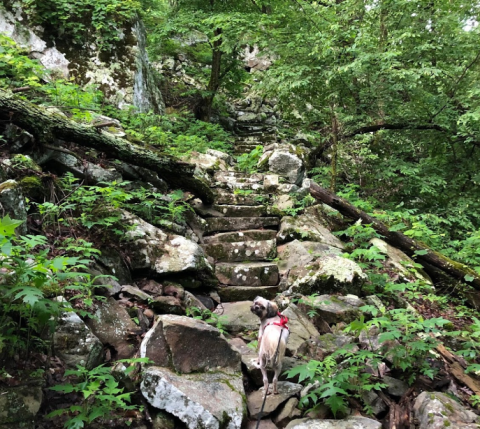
(202, 400)
(19, 405)
(286, 390)
(188, 345)
(12, 203)
(436, 410)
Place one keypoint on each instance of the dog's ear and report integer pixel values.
(272, 309)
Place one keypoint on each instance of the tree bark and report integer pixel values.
(47, 126)
(397, 239)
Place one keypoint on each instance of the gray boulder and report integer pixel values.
(301, 329)
(333, 309)
(201, 400)
(286, 390)
(12, 203)
(236, 316)
(20, 404)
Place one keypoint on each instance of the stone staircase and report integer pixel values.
(240, 236)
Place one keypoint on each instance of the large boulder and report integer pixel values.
(188, 345)
(435, 410)
(286, 390)
(301, 329)
(328, 274)
(285, 160)
(12, 203)
(236, 316)
(165, 254)
(200, 400)
(333, 309)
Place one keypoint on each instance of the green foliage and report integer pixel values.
(208, 317)
(247, 162)
(100, 206)
(299, 205)
(82, 21)
(102, 396)
(174, 134)
(28, 279)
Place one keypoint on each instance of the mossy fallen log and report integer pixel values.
(46, 126)
(397, 239)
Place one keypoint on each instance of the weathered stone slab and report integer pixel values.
(202, 400)
(248, 235)
(236, 176)
(334, 309)
(301, 329)
(245, 186)
(240, 223)
(242, 251)
(19, 405)
(355, 422)
(246, 293)
(188, 345)
(306, 227)
(247, 274)
(286, 390)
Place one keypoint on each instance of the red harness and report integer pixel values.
(283, 321)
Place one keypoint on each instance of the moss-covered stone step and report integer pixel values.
(246, 293)
(258, 187)
(248, 235)
(228, 197)
(247, 273)
(237, 176)
(242, 251)
(240, 211)
(219, 224)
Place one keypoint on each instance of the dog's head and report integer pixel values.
(264, 308)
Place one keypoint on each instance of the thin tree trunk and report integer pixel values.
(46, 127)
(397, 239)
(333, 183)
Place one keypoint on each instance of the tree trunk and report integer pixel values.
(46, 126)
(397, 239)
(205, 108)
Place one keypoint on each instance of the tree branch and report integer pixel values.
(373, 128)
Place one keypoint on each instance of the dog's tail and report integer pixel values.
(270, 344)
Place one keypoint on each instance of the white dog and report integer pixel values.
(272, 338)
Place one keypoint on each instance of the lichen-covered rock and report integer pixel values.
(112, 325)
(299, 253)
(435, 410)
(329, 274)
(247, 274)
(207, 161)
(246, 293)
(152, 249)
(242, 251)
(355, 422)
(288, 413)
(286, 390)
(287, 165)
(217, 224)
(75, 344)
(188, 345)
(12, 203)
(19, 405)
(307, 227)
(202, 400)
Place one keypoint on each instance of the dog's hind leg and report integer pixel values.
(278, 369)
(263, 368)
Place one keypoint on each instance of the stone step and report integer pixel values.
(240, 211)
(247, 274)
(242, 251)
(219, 224)
(227, 197)
(248, 235)
(246, 293)
(244, 186)
(237, 176)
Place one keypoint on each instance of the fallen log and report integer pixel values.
(46, 126)
(397, 239)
